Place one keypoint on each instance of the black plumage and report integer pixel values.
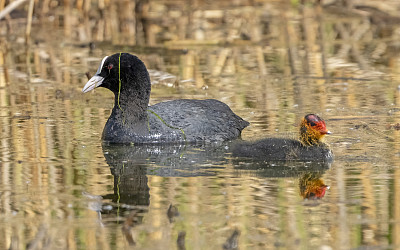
(177, 121)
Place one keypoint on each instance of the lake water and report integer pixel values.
(60, 188)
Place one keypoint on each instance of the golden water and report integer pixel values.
(55, 179)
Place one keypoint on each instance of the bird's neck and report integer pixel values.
(309, 137)
(309, 140)
(131, 106)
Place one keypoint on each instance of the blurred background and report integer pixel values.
(271, 61)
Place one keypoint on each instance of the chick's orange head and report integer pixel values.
(312, 129)
(316, 124)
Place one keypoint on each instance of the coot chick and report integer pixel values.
(309, 147)
(133, 121)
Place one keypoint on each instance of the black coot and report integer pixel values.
(177, 121)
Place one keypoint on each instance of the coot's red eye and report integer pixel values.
(110, 66)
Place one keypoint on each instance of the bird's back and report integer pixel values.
(200, 120)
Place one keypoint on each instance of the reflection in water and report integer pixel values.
(279, 169)
(95, 203)
(181, 240)
(312, 186)
(131, 167)
(232, 242)
(131, 191)
(172, 212)
(171, 160)
(127, 226)
(193, 160)
(130, 183)
(271, 61)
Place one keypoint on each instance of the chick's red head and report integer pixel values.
(312, 129)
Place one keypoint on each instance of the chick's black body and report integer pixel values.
(309, 147)
(278, 149)
(133, 121)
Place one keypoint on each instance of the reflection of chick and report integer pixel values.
(308, 148)
(312, 186)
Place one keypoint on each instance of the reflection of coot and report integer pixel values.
(130, 179)
(130, 184)
(131, 192)
(131, 164)
(167, 160)
(194, 160)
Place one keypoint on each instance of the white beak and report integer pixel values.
(96, 80)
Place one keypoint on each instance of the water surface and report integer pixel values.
(61, 188)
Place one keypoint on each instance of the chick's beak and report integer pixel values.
(321, 127)
(325, 132)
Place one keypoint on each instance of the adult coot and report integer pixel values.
(133, 121)
(308, 148)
